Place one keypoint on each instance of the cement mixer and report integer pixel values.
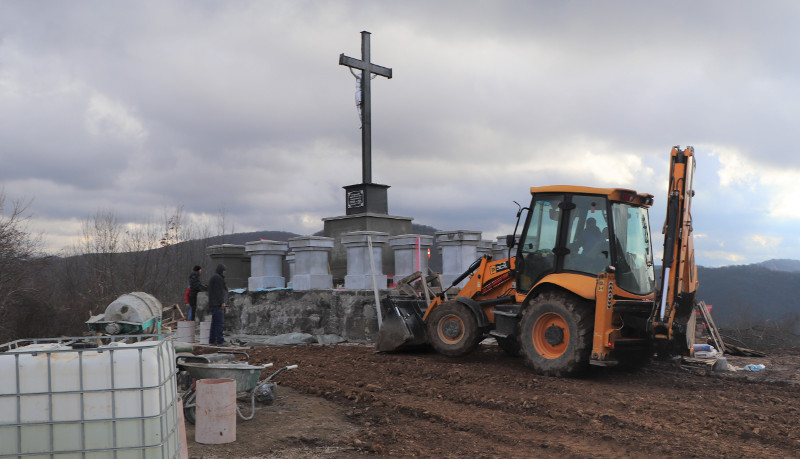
(135, 312)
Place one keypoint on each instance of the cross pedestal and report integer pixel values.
(366, 198)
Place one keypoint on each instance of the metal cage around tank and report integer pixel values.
(89, 397)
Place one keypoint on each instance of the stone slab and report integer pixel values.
(364, 281)
(255, 283)
(267, 247)
(312, 281)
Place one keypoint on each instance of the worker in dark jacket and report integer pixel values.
(195, 286)
(217, 301)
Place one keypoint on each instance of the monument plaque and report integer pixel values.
(366, 198)
(355, 200)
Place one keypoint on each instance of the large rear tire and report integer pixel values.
(556, 334)
(453, 329)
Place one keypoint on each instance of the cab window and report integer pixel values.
(587, 237)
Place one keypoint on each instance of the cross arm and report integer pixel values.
(358, 64)
(382, 71)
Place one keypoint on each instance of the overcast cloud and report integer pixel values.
(242, 106)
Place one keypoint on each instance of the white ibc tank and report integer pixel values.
(60, 402)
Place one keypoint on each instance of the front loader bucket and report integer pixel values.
(402, 325)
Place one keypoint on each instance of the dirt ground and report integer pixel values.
(346, 400)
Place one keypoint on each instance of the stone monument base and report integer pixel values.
(364, 281)
(265, 282)
(336, 226)
(311, 282)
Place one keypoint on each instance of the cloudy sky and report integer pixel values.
(240, 108)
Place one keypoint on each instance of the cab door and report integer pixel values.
(536, 256)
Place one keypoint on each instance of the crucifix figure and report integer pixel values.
(367, 69)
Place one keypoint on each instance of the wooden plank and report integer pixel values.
(712, 327)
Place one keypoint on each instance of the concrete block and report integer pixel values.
(459, 251)
(410, 254)
(233, 256)
(266, 264)
(264, 282)
(484, 247)
(311, 256)
(312, 282)
(359, 271)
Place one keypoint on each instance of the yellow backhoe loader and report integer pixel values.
(578, 287)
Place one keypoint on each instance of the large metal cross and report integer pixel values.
(367, 69)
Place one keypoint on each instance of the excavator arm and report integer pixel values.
(673, 309)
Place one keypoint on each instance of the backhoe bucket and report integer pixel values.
(402, 326)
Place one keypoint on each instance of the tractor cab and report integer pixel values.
(573, 233)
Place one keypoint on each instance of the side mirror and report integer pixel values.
(509, 240)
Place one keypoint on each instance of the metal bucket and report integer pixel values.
(186, 331)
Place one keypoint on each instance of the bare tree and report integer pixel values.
(114, 258)
(19, 250)
(101, 245)
(222, 224)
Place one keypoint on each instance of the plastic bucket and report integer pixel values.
(186, 331)
(215, 411)
(205, 332)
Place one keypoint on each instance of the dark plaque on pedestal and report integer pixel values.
(355, 199)
(365, 198)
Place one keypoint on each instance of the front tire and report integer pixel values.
(453, 329)
(556, 334)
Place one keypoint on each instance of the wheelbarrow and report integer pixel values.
(221, 366)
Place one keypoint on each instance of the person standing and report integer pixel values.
(217, 300)
(195, 286)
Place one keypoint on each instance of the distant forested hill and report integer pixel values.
(751, 292)
(781, 265)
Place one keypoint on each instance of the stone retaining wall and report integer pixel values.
(347, 313)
